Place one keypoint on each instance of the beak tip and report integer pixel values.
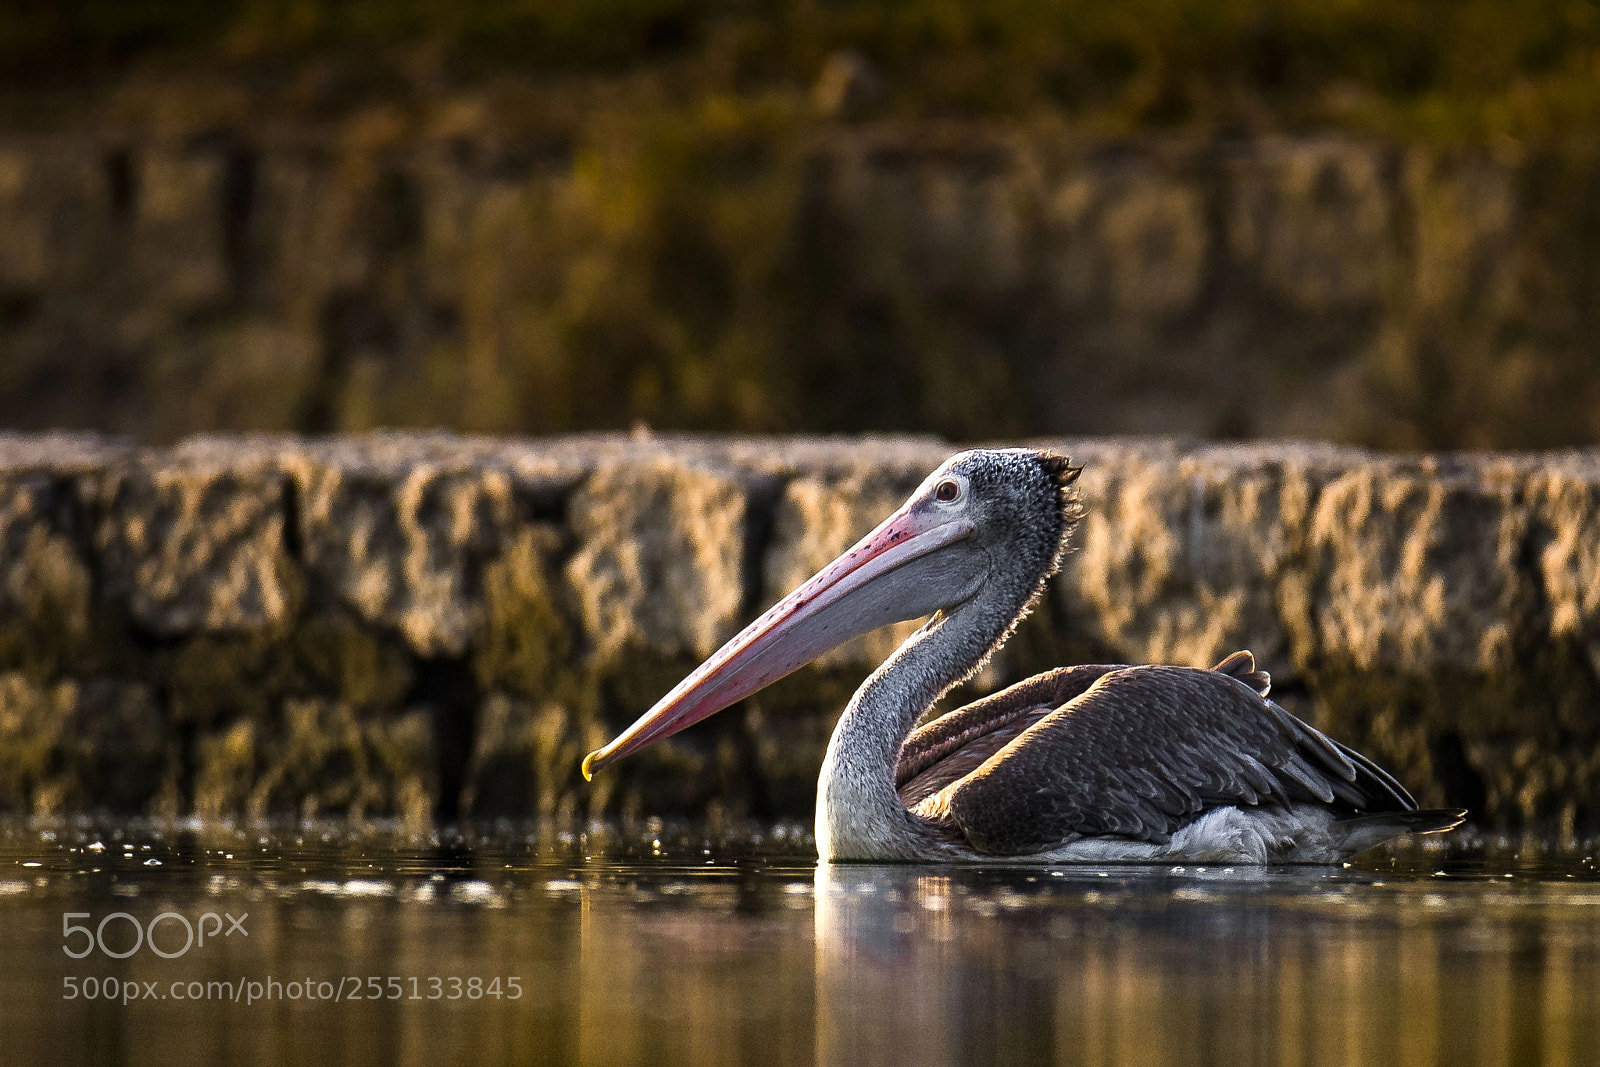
(589, 765)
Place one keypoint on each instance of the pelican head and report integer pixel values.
(984, 518)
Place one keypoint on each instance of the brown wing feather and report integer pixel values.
(959, 742)
(1145, 750)
(970, 730)
(971, 753)
(1242, 665)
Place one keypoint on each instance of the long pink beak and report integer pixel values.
(843, 600)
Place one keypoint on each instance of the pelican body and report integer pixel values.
(1097, 763)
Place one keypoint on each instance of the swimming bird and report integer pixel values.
(1096, 763)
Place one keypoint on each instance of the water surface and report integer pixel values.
(656, 945)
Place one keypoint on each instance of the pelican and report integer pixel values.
(1098, 763)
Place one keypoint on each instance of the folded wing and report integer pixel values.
(1141, 751)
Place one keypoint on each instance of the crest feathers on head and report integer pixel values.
(1059, 468)
(1063, 475)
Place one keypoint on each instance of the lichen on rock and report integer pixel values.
(317, 758)
(194, 541)
(399, 538)
(100, 744)
(45, 584)
(658, 565)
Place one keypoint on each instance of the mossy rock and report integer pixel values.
(526, 647)
(96, 745)
(214, 678)
(525, 762)
(335, 655)
(320, 759)
(45, 584)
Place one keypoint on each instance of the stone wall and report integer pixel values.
(454, 268)
(436, 626)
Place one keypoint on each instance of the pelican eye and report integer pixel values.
(946, 491)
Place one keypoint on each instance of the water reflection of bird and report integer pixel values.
(1090, 763)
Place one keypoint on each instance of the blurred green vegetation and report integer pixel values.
(638, 225)
(1437, 68)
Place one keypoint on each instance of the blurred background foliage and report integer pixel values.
(1372, 221)
(1438, 68)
